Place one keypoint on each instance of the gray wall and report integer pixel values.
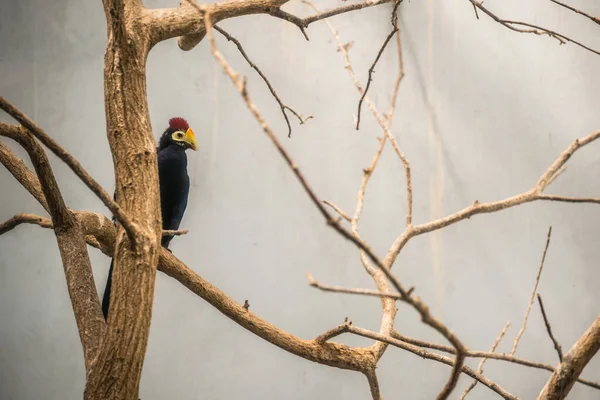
(482, 112)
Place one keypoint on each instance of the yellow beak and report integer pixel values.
(190, 139)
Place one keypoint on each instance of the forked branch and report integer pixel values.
(566, 373)
(72, 162)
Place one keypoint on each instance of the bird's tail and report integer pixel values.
(106, 298)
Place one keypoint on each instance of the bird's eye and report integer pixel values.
(179, 134)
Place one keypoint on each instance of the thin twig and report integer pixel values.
(532, 297)
(566, 199)
(385, 125)
(339, 289)
(483, 360)
(476, 12)
(282, 106)
(338, 210)
(175, 233)
(537, 30)
(595, 19)
(557, 345)
(486, 354)
(330, 334)
(75, 166)
(372, 69)
(341, 10)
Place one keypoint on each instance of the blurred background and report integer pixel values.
(482, 112)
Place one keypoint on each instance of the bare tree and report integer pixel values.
(114, 350)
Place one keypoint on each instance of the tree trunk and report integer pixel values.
(117, 372)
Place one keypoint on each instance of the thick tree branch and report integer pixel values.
(117, 373)
(73, 250)
(566, 373)
(187, 20)
(22, 218)
(68, 159)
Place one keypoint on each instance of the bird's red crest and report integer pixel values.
(179, 124)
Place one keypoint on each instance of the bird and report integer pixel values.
(174, 184)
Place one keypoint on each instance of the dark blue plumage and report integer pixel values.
(174, 187)
(174, 184)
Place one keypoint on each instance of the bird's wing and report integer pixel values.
(174, 190)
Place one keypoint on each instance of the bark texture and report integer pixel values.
(566, 373)
(117, 373)
(71, 243)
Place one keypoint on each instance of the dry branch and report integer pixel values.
(340, 289)
(423, 310)
(566, 373)
(394, 19)
(117, 371)
(188, 23)
(487, 354)
(530, 28)
(483, 360)
(19, 170)
(533, 194)
(384, 266)
(532, 297)
(333, 332)
(24, 219)
(72, 247)
(595, 19)
(282, 106)
(75, 165)
(105, 234)
(431, 356)
(557, 345)
(132, 31)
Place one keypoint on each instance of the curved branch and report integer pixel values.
(187, 20)
(72, 246)
(75, 165)
(533, 194)
(23, 218)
